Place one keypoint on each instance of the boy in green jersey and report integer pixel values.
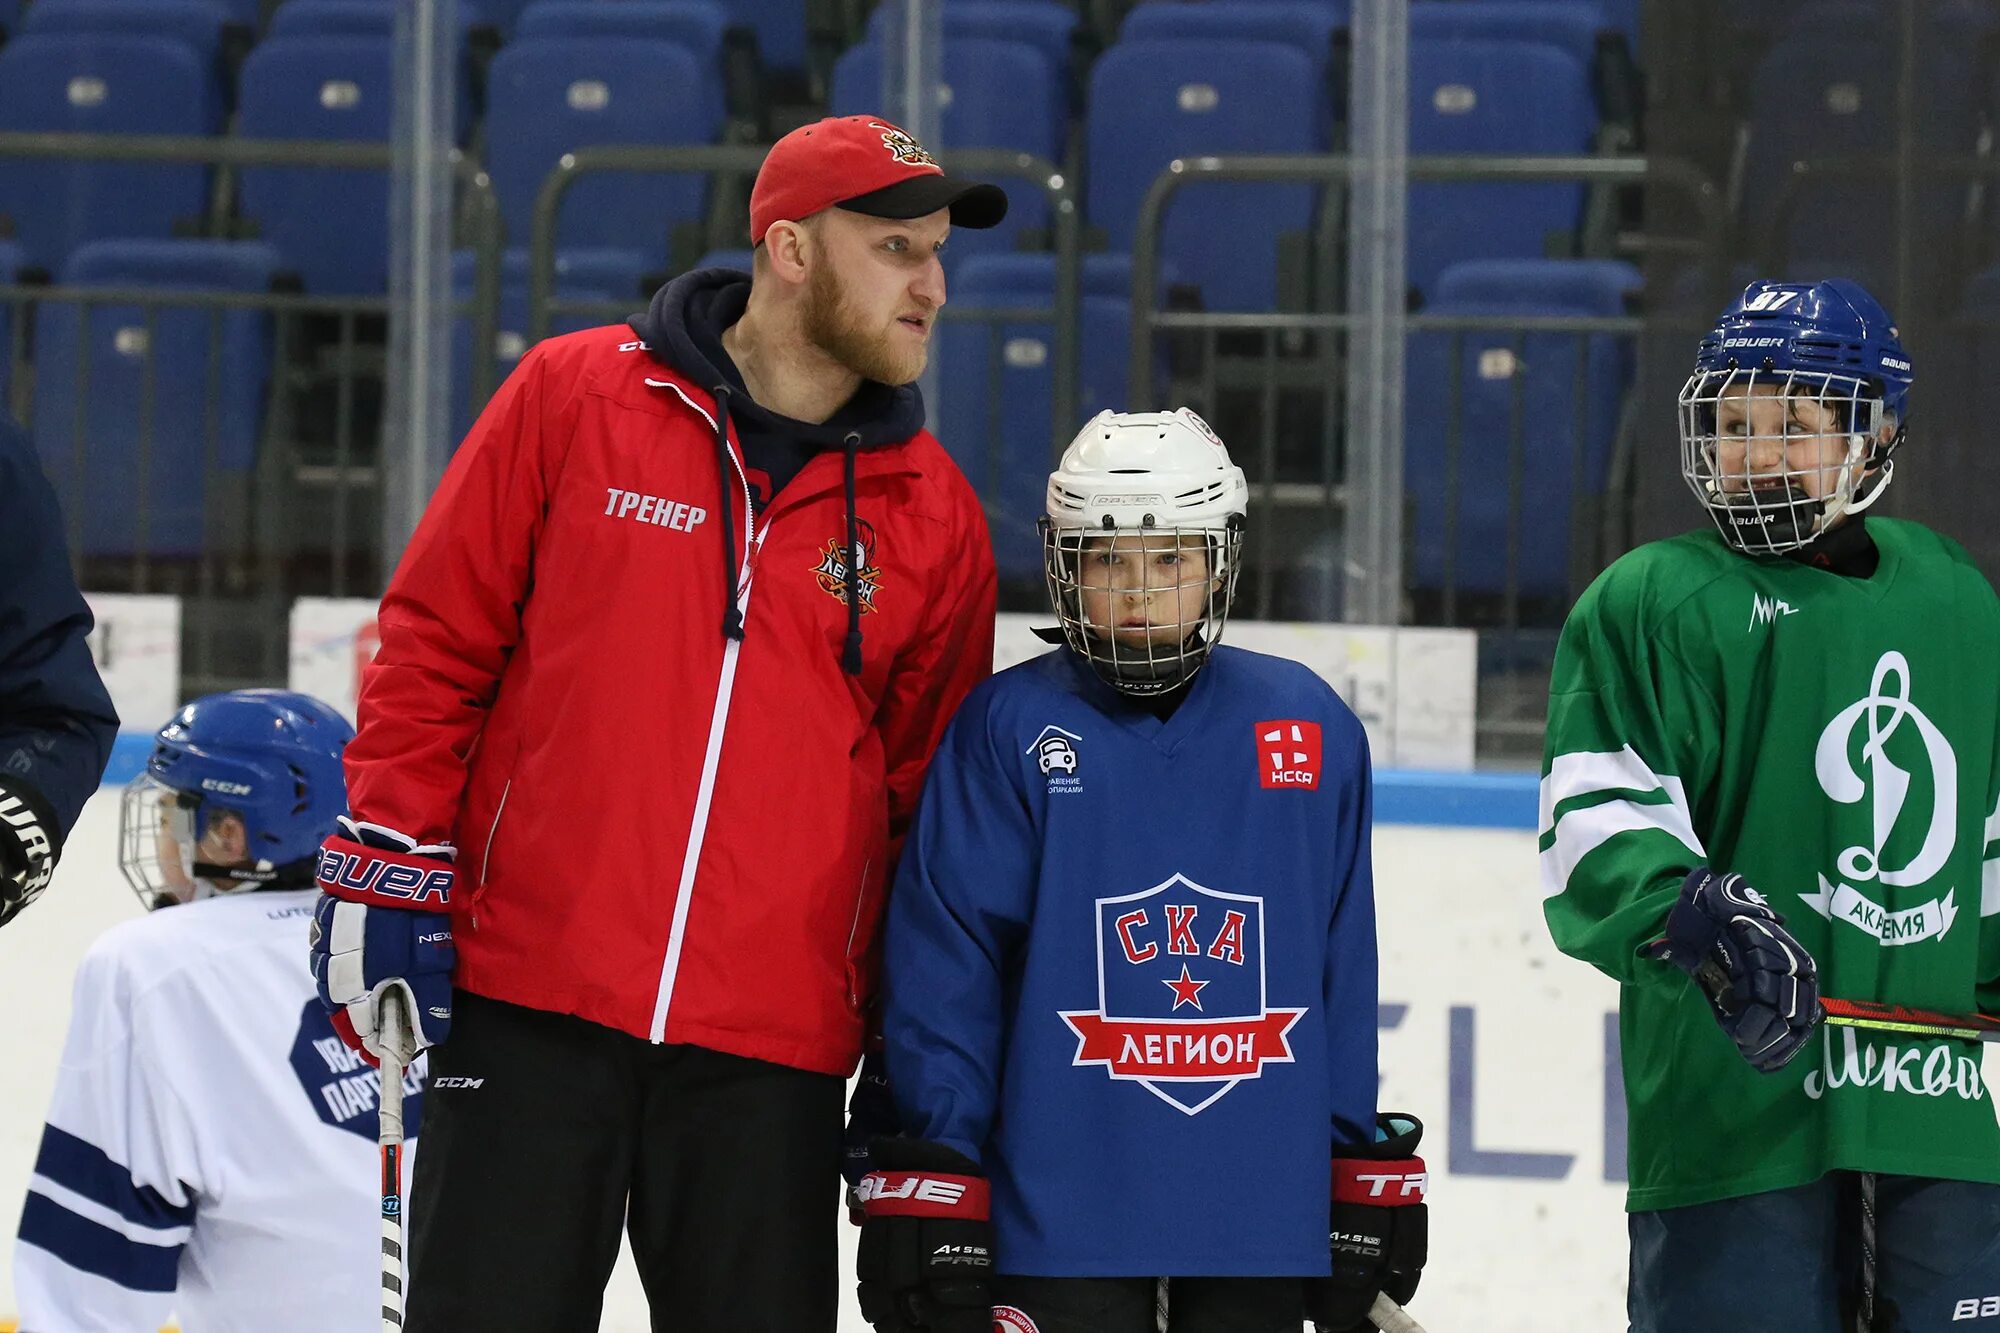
(1772, 772)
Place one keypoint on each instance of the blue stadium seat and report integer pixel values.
(331, 225)
(195, 22)
(995, 414)
(548, 95)
(1482, 95)
(581, 275)
(695, 25)
(1154, 100)
(1568, 25)
(1047, 25)
(1826, 90)
(1003, 95)
(1306, 24)
(99, 443)
(101, 84)
(1471, 550)
(10, 264)
(357, 18)
(780, 28)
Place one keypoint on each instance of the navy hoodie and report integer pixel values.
(683, 330)
(56, 720)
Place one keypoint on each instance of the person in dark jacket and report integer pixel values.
(660, 674)
(56, 720)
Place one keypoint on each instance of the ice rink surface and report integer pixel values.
(1496, 1041)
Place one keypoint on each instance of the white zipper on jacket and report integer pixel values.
(717, 722)
(486, 856)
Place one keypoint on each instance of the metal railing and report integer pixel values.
(743, 161)
(281, 523)
(1289, 509)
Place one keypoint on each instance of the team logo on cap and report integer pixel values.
(831, 571)
(905, 149)
(1180, 995)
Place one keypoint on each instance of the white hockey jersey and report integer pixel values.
(211, 1145)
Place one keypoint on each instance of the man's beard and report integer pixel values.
(833, 326)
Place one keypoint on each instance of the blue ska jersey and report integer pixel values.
(210, 1148)
(1130, 966)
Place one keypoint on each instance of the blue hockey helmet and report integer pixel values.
(270, 760)
(1788, 472)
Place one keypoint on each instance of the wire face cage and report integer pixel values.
(1776, 457)
(1143, 605)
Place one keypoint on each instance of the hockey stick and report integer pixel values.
(1388, 1316)
(398, 1043)
(1865, 1320)
(1915, 1022)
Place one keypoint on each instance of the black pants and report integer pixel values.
(724, 1171)
(1132, 1304)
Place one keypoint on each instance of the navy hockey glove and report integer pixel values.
(926, 1257)
(381, 924)
(871, 1114)
(1761, 983)
(1380, 1227)
(29, 844)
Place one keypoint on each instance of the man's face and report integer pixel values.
(1767, 438)
(1146, 591)
(873, 289)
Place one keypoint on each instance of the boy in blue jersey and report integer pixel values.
(1129, 999)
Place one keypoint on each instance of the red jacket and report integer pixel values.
(660, 829)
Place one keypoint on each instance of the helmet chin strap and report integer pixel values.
(1848, 496)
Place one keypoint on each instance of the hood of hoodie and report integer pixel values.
(683, 328)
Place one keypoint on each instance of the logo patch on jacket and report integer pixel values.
(1181, 1004)
(831, 571)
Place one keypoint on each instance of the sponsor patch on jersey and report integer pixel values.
(1010, 1319)
(1288, 755)
(1181, 1005)
(831, 572)
(345, 1090)
(1055, 753)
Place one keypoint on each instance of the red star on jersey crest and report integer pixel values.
(1186, 990)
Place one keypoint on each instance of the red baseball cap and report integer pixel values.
(866, 165)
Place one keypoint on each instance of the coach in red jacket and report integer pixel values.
(659, 675)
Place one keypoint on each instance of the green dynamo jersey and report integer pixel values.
(1834, 741)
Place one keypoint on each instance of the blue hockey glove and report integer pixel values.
(1761, 983)
(380, 925)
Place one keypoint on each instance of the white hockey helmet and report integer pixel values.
(1134, 493)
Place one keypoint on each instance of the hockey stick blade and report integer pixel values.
(1388, 1316)
(1914, 1022)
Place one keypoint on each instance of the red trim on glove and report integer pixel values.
(924, 1194)
(343, 1027)
(357, 873)
(1397, 1183)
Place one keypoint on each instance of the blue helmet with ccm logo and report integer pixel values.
(271, 758)
(1828, 344)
